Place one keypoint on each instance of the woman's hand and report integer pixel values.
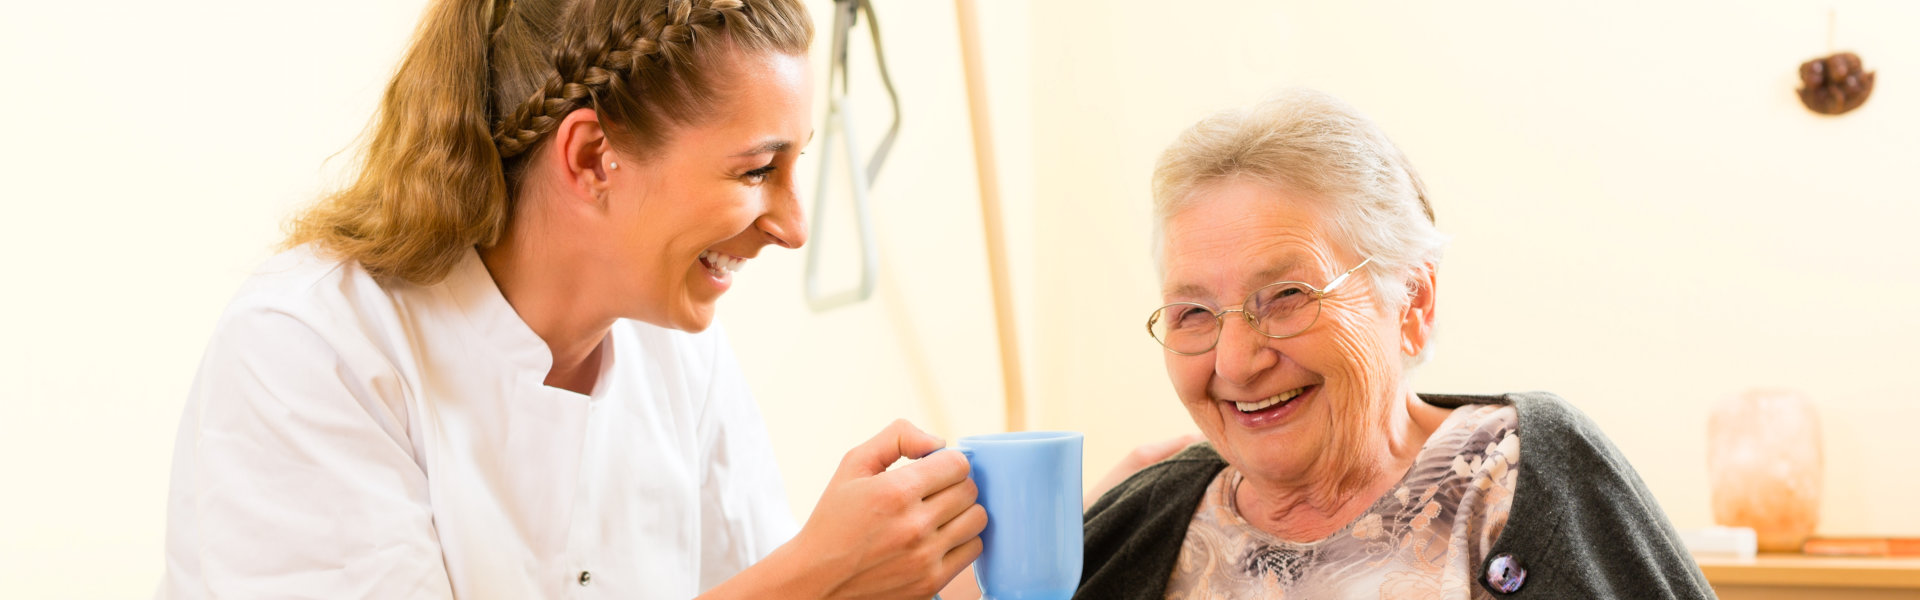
(1139, 458)
(883, 534)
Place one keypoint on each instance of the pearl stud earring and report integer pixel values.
(613, 165)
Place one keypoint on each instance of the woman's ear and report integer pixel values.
(584, 155)
(1416, 320)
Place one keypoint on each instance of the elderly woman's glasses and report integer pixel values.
(1278, 310)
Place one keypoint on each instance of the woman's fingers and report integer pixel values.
(898, 533)
(957, 559)
(965, 526)
(899, 440)
(927, 476)
(949, 502)
(960, 539)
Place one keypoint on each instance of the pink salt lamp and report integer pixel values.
(1764, 457)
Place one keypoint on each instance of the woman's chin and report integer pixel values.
(1272, 446)
(685, 312)
(1265, 465)
(696, 311)
(696, 318)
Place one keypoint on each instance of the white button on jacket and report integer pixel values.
(345, 439)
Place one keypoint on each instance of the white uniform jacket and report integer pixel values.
(348, 439)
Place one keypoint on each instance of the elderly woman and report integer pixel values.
(1298, 255)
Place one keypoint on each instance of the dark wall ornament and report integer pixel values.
(1835, 84)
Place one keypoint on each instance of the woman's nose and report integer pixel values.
(785, 221)
(1242, 354)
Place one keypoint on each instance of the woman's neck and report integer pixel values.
(537, 271)
(1310, 510)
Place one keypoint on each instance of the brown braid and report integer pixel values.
(663, 38)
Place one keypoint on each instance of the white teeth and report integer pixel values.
(721, 264)
(1276, 399)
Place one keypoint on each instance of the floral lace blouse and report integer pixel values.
(1425, 539)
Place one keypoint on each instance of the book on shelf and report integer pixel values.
(1862, 546)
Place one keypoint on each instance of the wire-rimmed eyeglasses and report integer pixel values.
(1277, 310)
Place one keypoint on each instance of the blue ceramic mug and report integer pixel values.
(1030, 485)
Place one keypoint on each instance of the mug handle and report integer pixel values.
(963, 450)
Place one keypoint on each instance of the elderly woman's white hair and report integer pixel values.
(1312, 143)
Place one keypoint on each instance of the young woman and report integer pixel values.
(488, 367)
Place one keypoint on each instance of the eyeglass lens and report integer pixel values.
(1278, 310)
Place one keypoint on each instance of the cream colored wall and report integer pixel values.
(152, 151)
(1645, 220)
(1587, 167)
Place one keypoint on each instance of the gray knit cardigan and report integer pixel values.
(1582, 526)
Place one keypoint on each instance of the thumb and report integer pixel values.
(899, 440)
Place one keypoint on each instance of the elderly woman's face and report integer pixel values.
(1330, 381)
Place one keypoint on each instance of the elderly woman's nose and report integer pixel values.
(1242, 354)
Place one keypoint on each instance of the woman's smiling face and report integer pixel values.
(1327, 386)
(713, 195)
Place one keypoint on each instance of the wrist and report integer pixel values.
(783, 574)
(799, 572)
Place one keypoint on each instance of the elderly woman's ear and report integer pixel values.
(1416, 320)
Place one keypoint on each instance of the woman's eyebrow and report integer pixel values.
(1272, 274)
(772, 146)
(767, 147)
(1187, 290)
(1279, 270)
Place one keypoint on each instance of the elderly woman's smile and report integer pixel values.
(1258, 413)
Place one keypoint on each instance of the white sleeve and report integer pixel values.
(293, 476)
(744, 514)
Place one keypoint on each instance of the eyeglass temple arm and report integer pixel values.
(1343, 277)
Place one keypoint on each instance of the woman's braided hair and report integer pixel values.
(486, 81)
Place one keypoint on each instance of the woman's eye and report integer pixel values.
(758, 175)
(1191, 317)
(1277, 295)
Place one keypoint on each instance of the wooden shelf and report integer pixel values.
(1800, 570)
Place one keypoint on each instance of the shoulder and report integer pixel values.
(301, 272)
(1134, 532)
(1564, 447)
(302, 285)
(1564, 453)
(1583, 524)
(303, 357)
(300, 325)
(1552, 428)
(1546, 413)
